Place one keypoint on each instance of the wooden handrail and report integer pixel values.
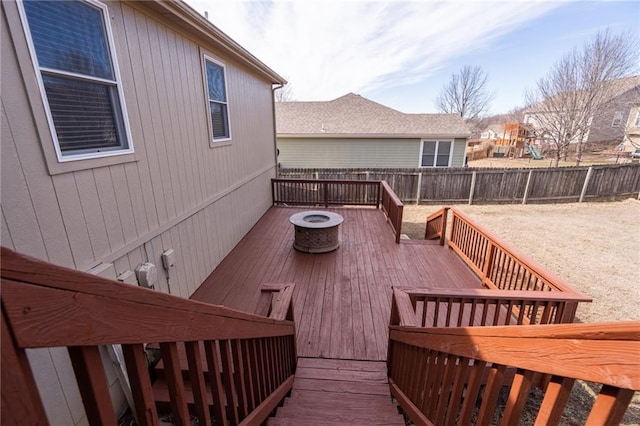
(443, 307)
(325, 192)
(453, 363)
(45, 305)
(393, 208)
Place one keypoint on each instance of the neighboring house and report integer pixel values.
(129, 128)
(492, 132)
(355, 132)
(608, 123)
(632, 130)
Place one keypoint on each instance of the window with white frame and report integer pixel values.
(217, 95)
(617, 119)
(436, 153)
(78, 76)
(637, 124)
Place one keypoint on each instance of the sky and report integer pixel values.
(401, 53)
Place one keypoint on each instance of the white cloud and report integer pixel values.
(328, 48)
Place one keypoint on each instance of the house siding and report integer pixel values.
(459, 152)
(601, 129)
(341, 153)
(356, 153)
(179, 192)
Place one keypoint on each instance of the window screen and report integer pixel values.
(77, 72)
(219, 114)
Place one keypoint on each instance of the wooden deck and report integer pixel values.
(342, 299)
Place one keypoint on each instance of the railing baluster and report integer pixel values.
(196, 376)
(229, 384)
(173, 375)
(610, 406)
(211, 350)
(92, 382)
(249, 374)
(459, 382)
(555, 398)
(138, 373)
(471, 394)
(517, 397)
(239, 378)
(491, 392)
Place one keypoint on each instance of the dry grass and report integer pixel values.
(588, 160)
(594, 247)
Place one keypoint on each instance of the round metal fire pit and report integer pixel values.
(316, 231)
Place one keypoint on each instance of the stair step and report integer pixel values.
(342, 364)
(282, 421)
(337, 398)
(341, 416)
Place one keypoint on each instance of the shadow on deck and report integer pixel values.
(342, 299)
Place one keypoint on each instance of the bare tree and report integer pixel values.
(284, 93)
(565, 101)
(466, 93)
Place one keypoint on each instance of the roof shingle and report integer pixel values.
(354, 115)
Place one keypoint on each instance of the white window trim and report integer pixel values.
(212, 141)
(637, 122)
(437, 141)
(118, 83)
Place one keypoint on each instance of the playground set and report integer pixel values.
(517, 141)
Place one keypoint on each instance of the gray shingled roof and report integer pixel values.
(353, 115)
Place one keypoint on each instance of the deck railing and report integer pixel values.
(305, 192)
(445, 307)
(251, 359)
(436, 226)
(496, 263)
(393, 208)
(441, 375)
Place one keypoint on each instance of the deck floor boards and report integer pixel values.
(342, 299)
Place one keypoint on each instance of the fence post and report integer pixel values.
(526, 188)
(326, 195)
(419, 188)
(473, 186)
(586, 183)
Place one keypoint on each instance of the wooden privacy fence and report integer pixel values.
(251, 359)
(447, 376)
(488, 185)
(497, 264)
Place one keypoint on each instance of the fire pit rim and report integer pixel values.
(298, 219)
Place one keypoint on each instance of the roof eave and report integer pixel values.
(180, 13)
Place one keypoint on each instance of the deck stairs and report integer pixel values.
(325, 392)
(338, 392)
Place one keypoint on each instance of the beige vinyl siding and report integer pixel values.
(179, 193)
(341, 153)
(459, 152)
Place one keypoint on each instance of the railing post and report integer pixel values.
(488, 260)
(273, 192)
(419, 189)
(443, 226)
